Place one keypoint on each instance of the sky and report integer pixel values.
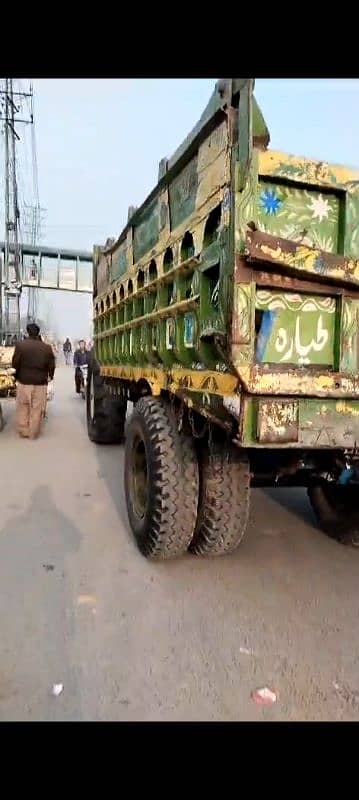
(99, 143)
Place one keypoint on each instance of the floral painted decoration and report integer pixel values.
(320, 208)
(270, 201)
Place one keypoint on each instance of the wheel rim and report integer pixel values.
(139, 476)
(92, 398)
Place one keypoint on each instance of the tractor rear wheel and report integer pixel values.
(161, 480)
(223, 509)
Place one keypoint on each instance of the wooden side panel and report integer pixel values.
(146, 232)
(103, 274)
(213, 164)
(182, 194)
(119, 261)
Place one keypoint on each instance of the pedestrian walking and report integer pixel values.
(67, 348)
(81, 358)
(34, 365)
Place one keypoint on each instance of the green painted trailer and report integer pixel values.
(227, 312)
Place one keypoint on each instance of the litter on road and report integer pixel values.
(57, 689)
(86, 600)
(264, 696)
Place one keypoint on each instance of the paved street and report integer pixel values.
(134, 640)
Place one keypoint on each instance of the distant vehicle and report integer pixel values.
(7, 379)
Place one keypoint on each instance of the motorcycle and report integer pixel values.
(83, 369)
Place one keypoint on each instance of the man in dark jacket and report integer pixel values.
(34, 365)
(81, 357)
(67, 348)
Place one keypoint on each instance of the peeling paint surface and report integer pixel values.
(277, 421)
(259, 380)
(233, 404)
(301, 258)
(311, 423)
(305, 170)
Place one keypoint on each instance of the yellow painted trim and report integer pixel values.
(209, 381)
(317, 173)
(285, 382)
(206, 381)
(157, 378)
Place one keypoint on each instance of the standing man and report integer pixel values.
(34, 364)
(81, 357)
(67, 348)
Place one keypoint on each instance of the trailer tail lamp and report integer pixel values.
(277, 421)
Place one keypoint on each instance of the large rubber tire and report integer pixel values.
(223, 509)
(161, 481)
(337, 511)
(106, 415)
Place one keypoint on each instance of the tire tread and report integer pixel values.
(174, 481)
(108, 424)
(224, 505)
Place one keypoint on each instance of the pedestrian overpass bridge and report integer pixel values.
(50, 268)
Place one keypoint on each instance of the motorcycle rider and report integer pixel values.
(81, 357)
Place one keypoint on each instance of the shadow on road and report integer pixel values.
(295, 501)
(37, 594)
(111, 468)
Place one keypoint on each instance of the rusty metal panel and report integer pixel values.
(262, 247)
(277, 421)
(301, 382)
(318, 424)
(329, 423)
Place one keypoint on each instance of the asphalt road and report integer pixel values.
(186, 640)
